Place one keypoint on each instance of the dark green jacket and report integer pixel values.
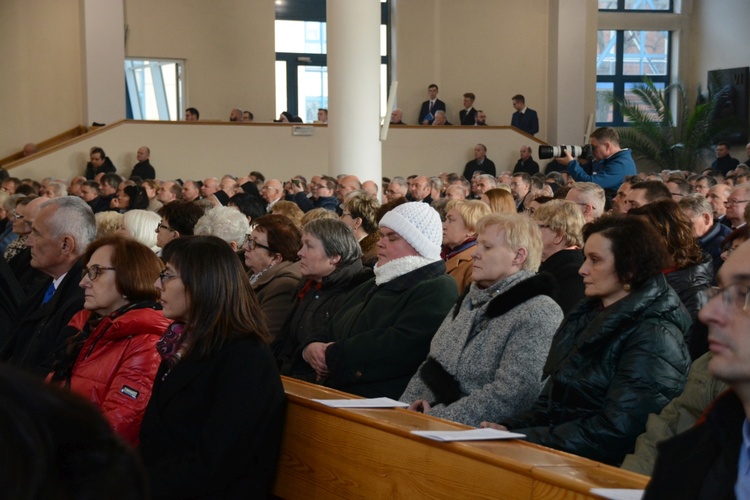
(608, 369)
(382, 333)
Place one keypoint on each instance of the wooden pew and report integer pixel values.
(370, 453)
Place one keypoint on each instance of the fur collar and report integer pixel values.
(399, 267)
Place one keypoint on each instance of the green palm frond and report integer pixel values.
(667, 138)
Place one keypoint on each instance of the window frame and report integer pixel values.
(619, 80)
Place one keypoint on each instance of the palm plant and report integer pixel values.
(680, 140)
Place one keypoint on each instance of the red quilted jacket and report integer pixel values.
(117, 366)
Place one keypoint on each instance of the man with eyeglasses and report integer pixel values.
(736, 203)
(177, 219)
(60, 233)
(712, 459)
(272, 191)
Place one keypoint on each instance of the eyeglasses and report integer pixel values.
(17, 216)
(164, 276)
(252, 244)
(731, 203)
(94, 271)
(731, 295)
(164, 226)
(346, 213)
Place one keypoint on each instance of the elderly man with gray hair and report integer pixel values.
(226, 223)
(710, 234)
(590, 199)
(60, 233)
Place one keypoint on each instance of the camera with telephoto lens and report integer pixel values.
(547, 152)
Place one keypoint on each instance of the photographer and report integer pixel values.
(612, 162)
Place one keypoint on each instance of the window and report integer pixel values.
(301, 62)
(623, 58)
(154, 89)
(637, 5)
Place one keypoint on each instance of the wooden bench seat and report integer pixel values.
(370, 453)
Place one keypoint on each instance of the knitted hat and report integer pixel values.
(419, 224)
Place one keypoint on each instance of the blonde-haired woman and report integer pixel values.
(487, 357)
(500, 201)
(561, 223)
(460, 238)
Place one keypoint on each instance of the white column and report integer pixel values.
(353, 32)
(572, 69)
(103, 46)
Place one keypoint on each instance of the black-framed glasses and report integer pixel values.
(252, 244)
(163, 226)
(94, 271)
(732, 203)
(735, 295)
(164, 276)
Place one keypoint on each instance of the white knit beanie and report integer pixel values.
(419, 224)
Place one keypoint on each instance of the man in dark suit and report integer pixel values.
(62, 230)
(524, 118)
(526, 163)
(427, 113)
(479, 163)
(468, 115)
(143, 168)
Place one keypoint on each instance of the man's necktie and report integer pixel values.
(49, 293)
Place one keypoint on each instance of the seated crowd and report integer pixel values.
(545, 304)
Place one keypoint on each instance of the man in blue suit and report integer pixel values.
(524, 118)
(427, 113)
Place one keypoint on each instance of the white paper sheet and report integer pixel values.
(471, 435)
(618, 493)
(362, 403)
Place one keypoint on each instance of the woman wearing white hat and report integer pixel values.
(374, 344)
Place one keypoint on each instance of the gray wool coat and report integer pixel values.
(496, 360)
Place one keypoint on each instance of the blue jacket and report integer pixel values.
(609, 173)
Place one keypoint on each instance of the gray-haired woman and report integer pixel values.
(331, 265)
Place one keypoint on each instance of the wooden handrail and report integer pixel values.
(355, 453)
(46, 144)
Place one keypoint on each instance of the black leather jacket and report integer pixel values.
(608, 369)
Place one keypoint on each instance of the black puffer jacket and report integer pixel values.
(310, 313)
(692, 284)
(608, 369)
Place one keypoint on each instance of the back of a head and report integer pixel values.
(593, 193)
(58, 446)
(138, 197)
(142, 226)
(250, 205)
(501, 201)
(562, 217)
(284, 236)
(675, 228)
(653, 190)
(470, 210)
(182, 216)
(224, 222)
(365, 207)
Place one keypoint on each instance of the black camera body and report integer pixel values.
(547, 152)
